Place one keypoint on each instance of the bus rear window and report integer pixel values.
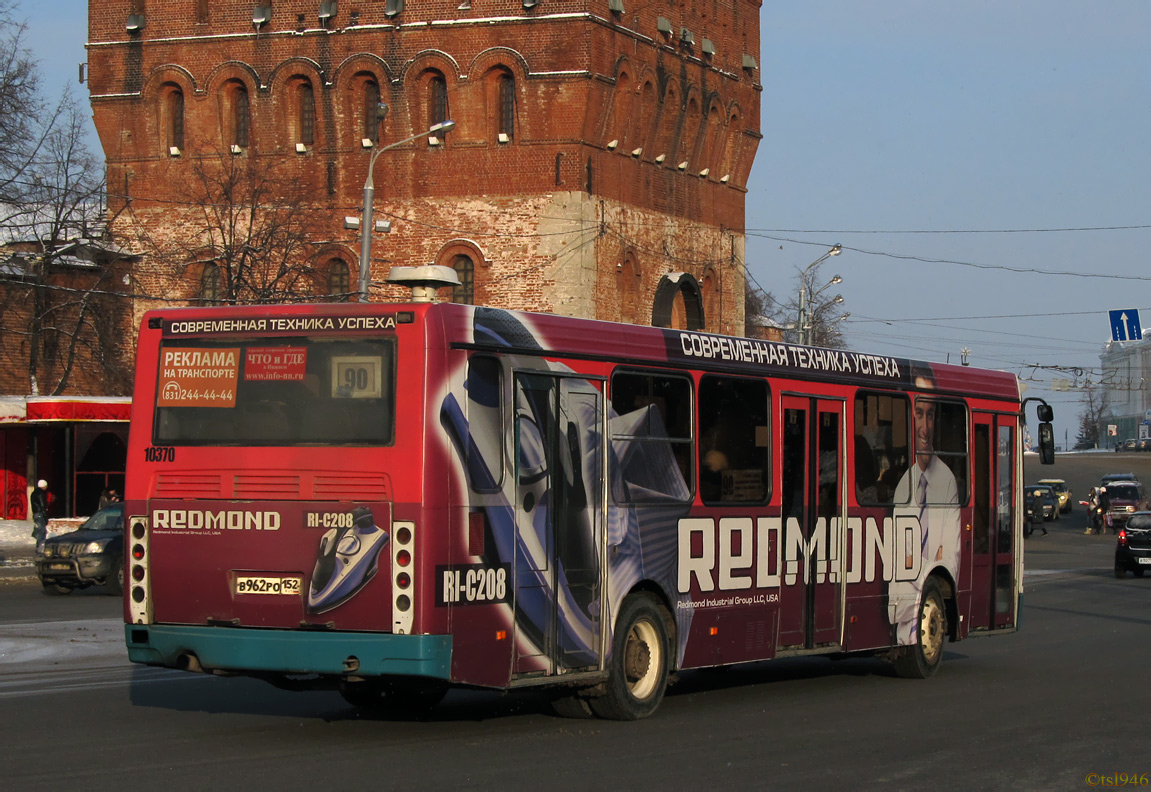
(281, 391)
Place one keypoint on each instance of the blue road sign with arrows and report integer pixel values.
(1125, 325)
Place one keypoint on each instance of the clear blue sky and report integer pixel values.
(955, 150)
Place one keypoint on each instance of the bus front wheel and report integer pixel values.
(921, 659)
(640, 662)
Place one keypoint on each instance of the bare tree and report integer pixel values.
(22, 113)
(757, 309)
(824, 310)
(243, 233)
(1095, 408)
(824, 313)
(65, 200)
(56, 287)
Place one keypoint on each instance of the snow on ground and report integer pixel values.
(55, 642)
(16, 544)
(16, 535)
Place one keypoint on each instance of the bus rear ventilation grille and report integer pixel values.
(344, 487)
(188, 485)
(266, 487)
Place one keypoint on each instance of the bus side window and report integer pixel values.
(882, 448)
(650, 425)
(485, 416)
(734, 441)
(950, 442)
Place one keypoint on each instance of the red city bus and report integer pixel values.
(392, 499)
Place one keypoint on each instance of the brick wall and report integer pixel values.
(627, 143)
(86, 341)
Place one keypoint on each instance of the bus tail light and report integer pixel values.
(403, 576)
(139, 584)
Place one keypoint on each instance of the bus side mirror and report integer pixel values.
(1046, 443)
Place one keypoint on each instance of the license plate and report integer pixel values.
(1143, 560)
(252, 584)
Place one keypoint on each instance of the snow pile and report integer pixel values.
(16, 535)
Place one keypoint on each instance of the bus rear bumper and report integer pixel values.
(246, 650)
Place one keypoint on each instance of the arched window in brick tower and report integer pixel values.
(689, 136)
(465, 270)
(630, 291)
(644, 138)
(731, 145)
(712, 139)
(211, 284)
(711, 300)
(668, 119)
(371, 116)
(239, 110)
(678, 303)
(306, 113)
(173, 121)
(339, 280)
(622, 123)
(437, 99)
(506, 106)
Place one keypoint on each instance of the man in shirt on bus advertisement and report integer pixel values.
(929, 486)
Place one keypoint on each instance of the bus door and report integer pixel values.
(993, 564)
(811, 598)
(559, 530)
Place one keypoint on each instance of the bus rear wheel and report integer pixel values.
(640, 662)
(921, 659)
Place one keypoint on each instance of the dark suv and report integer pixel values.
(93, 554)
(1125, 497)
(1133, 552)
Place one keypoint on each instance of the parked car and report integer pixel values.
(91, 555)
(1145, 444)
(1062, 491)
(1124, 498)
(1130, 444)
(1133, 550)
(1046, 502)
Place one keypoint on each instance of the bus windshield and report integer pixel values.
(275, 391)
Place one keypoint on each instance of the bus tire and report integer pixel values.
(921, 659)
(640, 661)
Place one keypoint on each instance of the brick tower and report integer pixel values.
(597, 167)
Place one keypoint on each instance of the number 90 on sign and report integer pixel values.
(357, 377)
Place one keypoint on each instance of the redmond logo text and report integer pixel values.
(222, 520)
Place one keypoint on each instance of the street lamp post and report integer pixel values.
(803, 329)
(370, 194)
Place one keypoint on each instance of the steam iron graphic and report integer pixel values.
(346, 560)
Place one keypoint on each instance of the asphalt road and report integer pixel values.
(1042, 709)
